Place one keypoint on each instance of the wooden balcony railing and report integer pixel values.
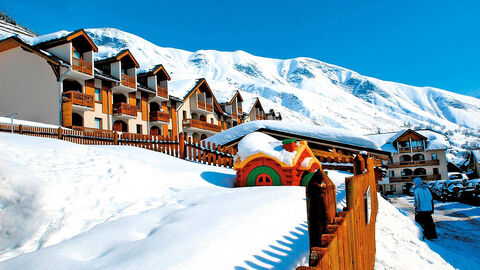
(209, 107)
(191, 123)
(201, 104)
(159, 116)
(124, 108)
(128, 81)
(82, 66)
(413, 149)
(234, 115)
(162, 92)
(413, 163)
(409, 178)
(239, 109)
(78, 98)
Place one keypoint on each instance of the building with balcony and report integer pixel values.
(200, 115)
(271, 115)
(231, 102)
(254, 109)
(415, 153)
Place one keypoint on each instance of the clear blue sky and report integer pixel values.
(424, 43)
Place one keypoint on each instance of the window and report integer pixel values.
(98, 123)
(169, 111)
(435, 171)
(393, 188)
(139, 104)
(77, 54)
(391, 174)
(184, 115)
(434, 156)
(170, 133)
(139, 129)
(98, 95)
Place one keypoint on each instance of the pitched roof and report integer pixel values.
(154, 71)
(61, 37)
(13, 42)
(118, 57)
(435, 140)
(476, 154)
(184, 88)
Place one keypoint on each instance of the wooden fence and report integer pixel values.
(181, 147)
(343, 240)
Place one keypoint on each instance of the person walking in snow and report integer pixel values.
(424, 208)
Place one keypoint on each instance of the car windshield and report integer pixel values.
(455, 176)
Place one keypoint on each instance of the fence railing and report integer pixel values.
(413, 163)
(192, 123)
(128, 81)
(124, 108)
(82, 66)
(181, 147)
(78, 98)
(162, 92)
(343, 240)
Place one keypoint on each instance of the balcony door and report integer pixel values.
(119, 98)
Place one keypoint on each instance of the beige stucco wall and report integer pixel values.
(28, 87)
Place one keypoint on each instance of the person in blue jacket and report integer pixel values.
(424, 208)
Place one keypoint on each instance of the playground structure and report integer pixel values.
(268, 168)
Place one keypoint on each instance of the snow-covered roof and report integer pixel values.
(257, 142)
(436, 141)
(248, 103)
(223, 92)
(181, 88)
(48, 37)
(306, 130)
(476, 154)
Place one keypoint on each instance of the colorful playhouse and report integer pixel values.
(265, 161)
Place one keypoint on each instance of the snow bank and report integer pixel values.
(68, 206)
(313, 131)
(258, 142)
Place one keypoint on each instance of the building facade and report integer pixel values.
(415, 153)
(58, 80)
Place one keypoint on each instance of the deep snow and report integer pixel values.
(68, 206)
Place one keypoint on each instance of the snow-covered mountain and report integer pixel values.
(308, 90)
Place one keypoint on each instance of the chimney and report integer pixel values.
(290, 145)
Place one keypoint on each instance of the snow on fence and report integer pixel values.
(181, 147)
(343, 240)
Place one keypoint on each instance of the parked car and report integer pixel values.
(437, 189)
(453, 190)
(457, 176)
(472, 189)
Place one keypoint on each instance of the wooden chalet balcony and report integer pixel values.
(82, 66)
(414, 149)
(260, 117)
(409, 178)
(234, 115)
(128, 81)
(413, 163)
(159, 116)
(209, 107)
(162, 92)
(77, 98)
(124, 109)
(201, 104)
(191, 123)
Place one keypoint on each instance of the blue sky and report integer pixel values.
(423, 43)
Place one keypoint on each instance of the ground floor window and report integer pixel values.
(98, 123)
(435, 171)
(393, 188)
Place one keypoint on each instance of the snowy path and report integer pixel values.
(457, 228)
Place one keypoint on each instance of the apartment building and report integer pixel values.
(271, 115)
(415, 153)
(58, 79)
(254, 110)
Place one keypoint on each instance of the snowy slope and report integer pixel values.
(308, 90)
(67, 206)
(326, 93)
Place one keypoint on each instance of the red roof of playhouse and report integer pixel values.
(283, 163)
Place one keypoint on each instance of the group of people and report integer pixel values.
(424, 209)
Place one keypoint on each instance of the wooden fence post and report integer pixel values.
(60, 133)
(181, 144)
(321, 207)
(115, 138)
(358, 165)
(20, 129)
